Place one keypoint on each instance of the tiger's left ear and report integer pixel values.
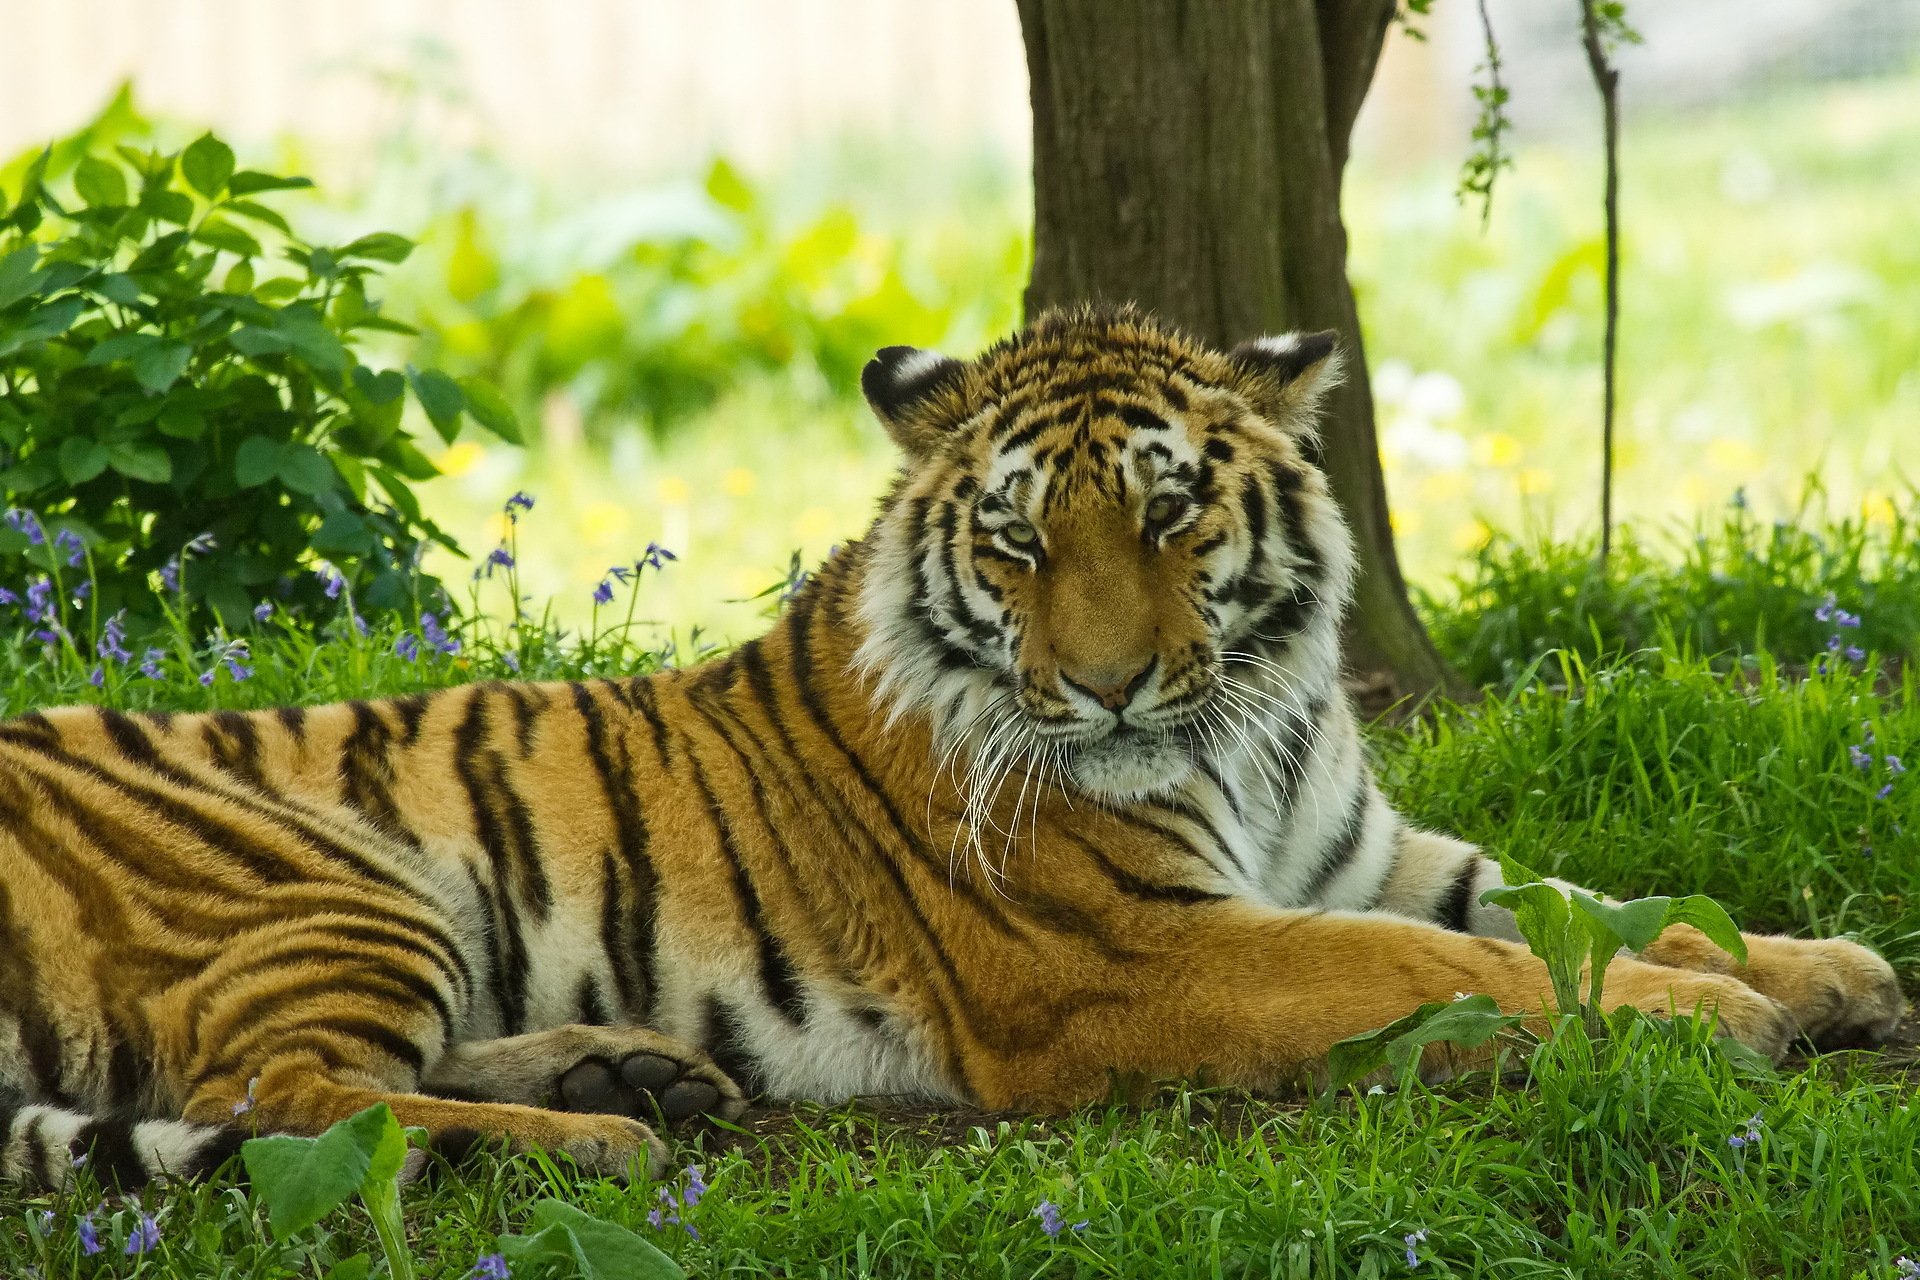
(915, 394)
(1288, 375)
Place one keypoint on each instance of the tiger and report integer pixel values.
(1050, 780)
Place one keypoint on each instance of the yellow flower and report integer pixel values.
(745, 583)
(1729, 453)
(461, 457)
(1534, 480)
(603, 521)
(1472, 535)
(674, 492)
(1442, 486)
(1497, 449)
(1404, 521)
(738, 482)
(813, 524)
(1876, 508)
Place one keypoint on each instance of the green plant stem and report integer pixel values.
(1607, 78)
(383, 1206)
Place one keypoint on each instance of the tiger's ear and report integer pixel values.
(909, 389)
(1287, 375)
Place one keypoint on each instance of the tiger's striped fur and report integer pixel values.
(1047, 780)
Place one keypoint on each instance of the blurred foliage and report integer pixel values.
(1814, 591)
(645, 306)
(165, 387)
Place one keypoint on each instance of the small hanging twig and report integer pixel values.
(1600, 20)
(1477, 175)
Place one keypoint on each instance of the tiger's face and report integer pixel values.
(1097, 520)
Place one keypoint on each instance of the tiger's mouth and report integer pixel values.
(1129, 763)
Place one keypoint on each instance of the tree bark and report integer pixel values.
(1187, 156)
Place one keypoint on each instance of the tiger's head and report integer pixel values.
(1098, 517)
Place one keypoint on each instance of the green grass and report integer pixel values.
(1668, 772)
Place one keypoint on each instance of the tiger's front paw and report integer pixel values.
(1842, 994)
(1762, 1024)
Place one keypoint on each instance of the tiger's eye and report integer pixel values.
(1164, 509)
(1020, 534)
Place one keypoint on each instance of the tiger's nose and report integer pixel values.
(1113, 687)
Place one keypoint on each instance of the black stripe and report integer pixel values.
(776, 971)
(517, 878)
(111, 1157)
(644, 701)
(1340, 852)
(234, 742)
(726, 1044)
(367, 774)
(634, 946)
(592, 1010)
(1459, 904)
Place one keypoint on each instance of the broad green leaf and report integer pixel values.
(81, 459)
(121, 346)
(312, 341)
(48, 320)
(491, 410)
(381, 246)
(305, 470)
(169, 206)
(252, 340)
(207, 165)
(136, 461)
(256, 461)
(1468, 1023)
(354, 1268)
(99, 182)
(17, 277)
(159, 253)
(301, 1180)
(1710, 918)
(343, 533)
(383, 387)
(239, 278)
(159, 367)
(550, 1251)
(1357, 1056)
(183, 422)
(249, 181)
(118, 287)
(604, 1250)
(1633, 925)
(224, 235)
(441, 397)
(259, 213)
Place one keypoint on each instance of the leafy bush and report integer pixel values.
(160, 383)
(646, 305)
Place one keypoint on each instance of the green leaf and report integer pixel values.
(491, 410)
(81, 459)
(1633, 925)
(160, 366)
(48, 320)
(1468, 1023)
(441, 397)
(17, 275)
(224, 235)
(354, 1268)
(121, 346)
(381, 246)
(182, 422)
(1710, 918)
(239, 278)
(259, 213)
(207, 165)
(99, 182)
(252, 340)
(248, 181)
(343, 533)
(312, 341)
(136, 461)
(301, 1180)
(597, 1250)
(169, 206)
(305, 469)
(158, 254)
(118, 287)
(380, 388)
(256, 461)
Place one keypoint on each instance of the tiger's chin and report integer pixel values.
(1129, 766)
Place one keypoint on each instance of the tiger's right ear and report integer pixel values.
(914, 393)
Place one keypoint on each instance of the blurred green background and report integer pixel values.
(679, 303)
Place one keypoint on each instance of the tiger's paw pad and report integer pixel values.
(649, 1086)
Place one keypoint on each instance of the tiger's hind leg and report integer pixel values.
(625, 1071)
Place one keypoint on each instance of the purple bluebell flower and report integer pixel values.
(40, 600)
(27, 523)
(1748, 1138)
(81, 590)
(1833, 644)
(655, 556)
(89, 1236)
(513, 662)
(113, 638)
(696, 1186)
(1855, 653)
(490, 1266)
(603, 594)
(1413, 1240)
(1905, 1268)
(1883, 792)
(46, 1221)
(245, 1104)
(170, 574)
(71, 544)
(8, 596)
(199, 544)
(1052, 1223)
(436, 635)
(621, 574)
(206, 678)
(1895, 765)
(1861, 760)
(498, 558)
(331, 580)
(1825, 612)
(150, 664)
(263, 611)
(97, 677)
(145, 1235)
(521, 501)
(408, 646)
(1841, 618)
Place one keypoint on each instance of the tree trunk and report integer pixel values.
(1187, 155)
